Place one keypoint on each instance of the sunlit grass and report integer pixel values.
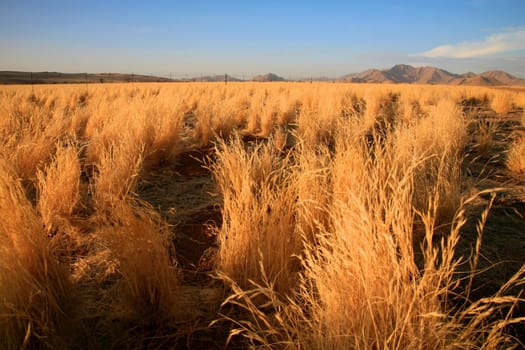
(342, 207)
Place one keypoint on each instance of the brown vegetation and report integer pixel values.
(277, 215)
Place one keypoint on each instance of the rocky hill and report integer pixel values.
(403, 73)
(268, 77)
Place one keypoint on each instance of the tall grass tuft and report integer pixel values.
(439, 139)
(502, 102)
(484, 138)
(36, 295)
(258, 214)
(117, 172)
(59, 188)
(160, 134)
(314, 194)
(516, 157)
(145, 294)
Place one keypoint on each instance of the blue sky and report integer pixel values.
(295, 39)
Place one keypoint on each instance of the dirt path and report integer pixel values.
(502, 251)
(184, 195)
(504, 232)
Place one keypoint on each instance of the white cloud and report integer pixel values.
(509, 41)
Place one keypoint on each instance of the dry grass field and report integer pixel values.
(262, 215)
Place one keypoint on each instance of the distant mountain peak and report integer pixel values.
(402, 68)
(404, 73)
(268, 77)
(501, 76)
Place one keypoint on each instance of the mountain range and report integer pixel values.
(403, 73)
(400, 73)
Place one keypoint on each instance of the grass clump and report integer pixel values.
(36, 296)
(516, 157)
(258, 214)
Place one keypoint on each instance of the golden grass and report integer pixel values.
(484, 138)
(502, 102)
(117, 172)
(59, 188)
(342, 208)
(258, 206)
(439, 138)
(30, 135)
(35, 291)
(364, 283)
(141, 246)
(516, 157)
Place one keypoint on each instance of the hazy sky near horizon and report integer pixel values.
(294, 39)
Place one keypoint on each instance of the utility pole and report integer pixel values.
(225, 78)
(32, 85)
